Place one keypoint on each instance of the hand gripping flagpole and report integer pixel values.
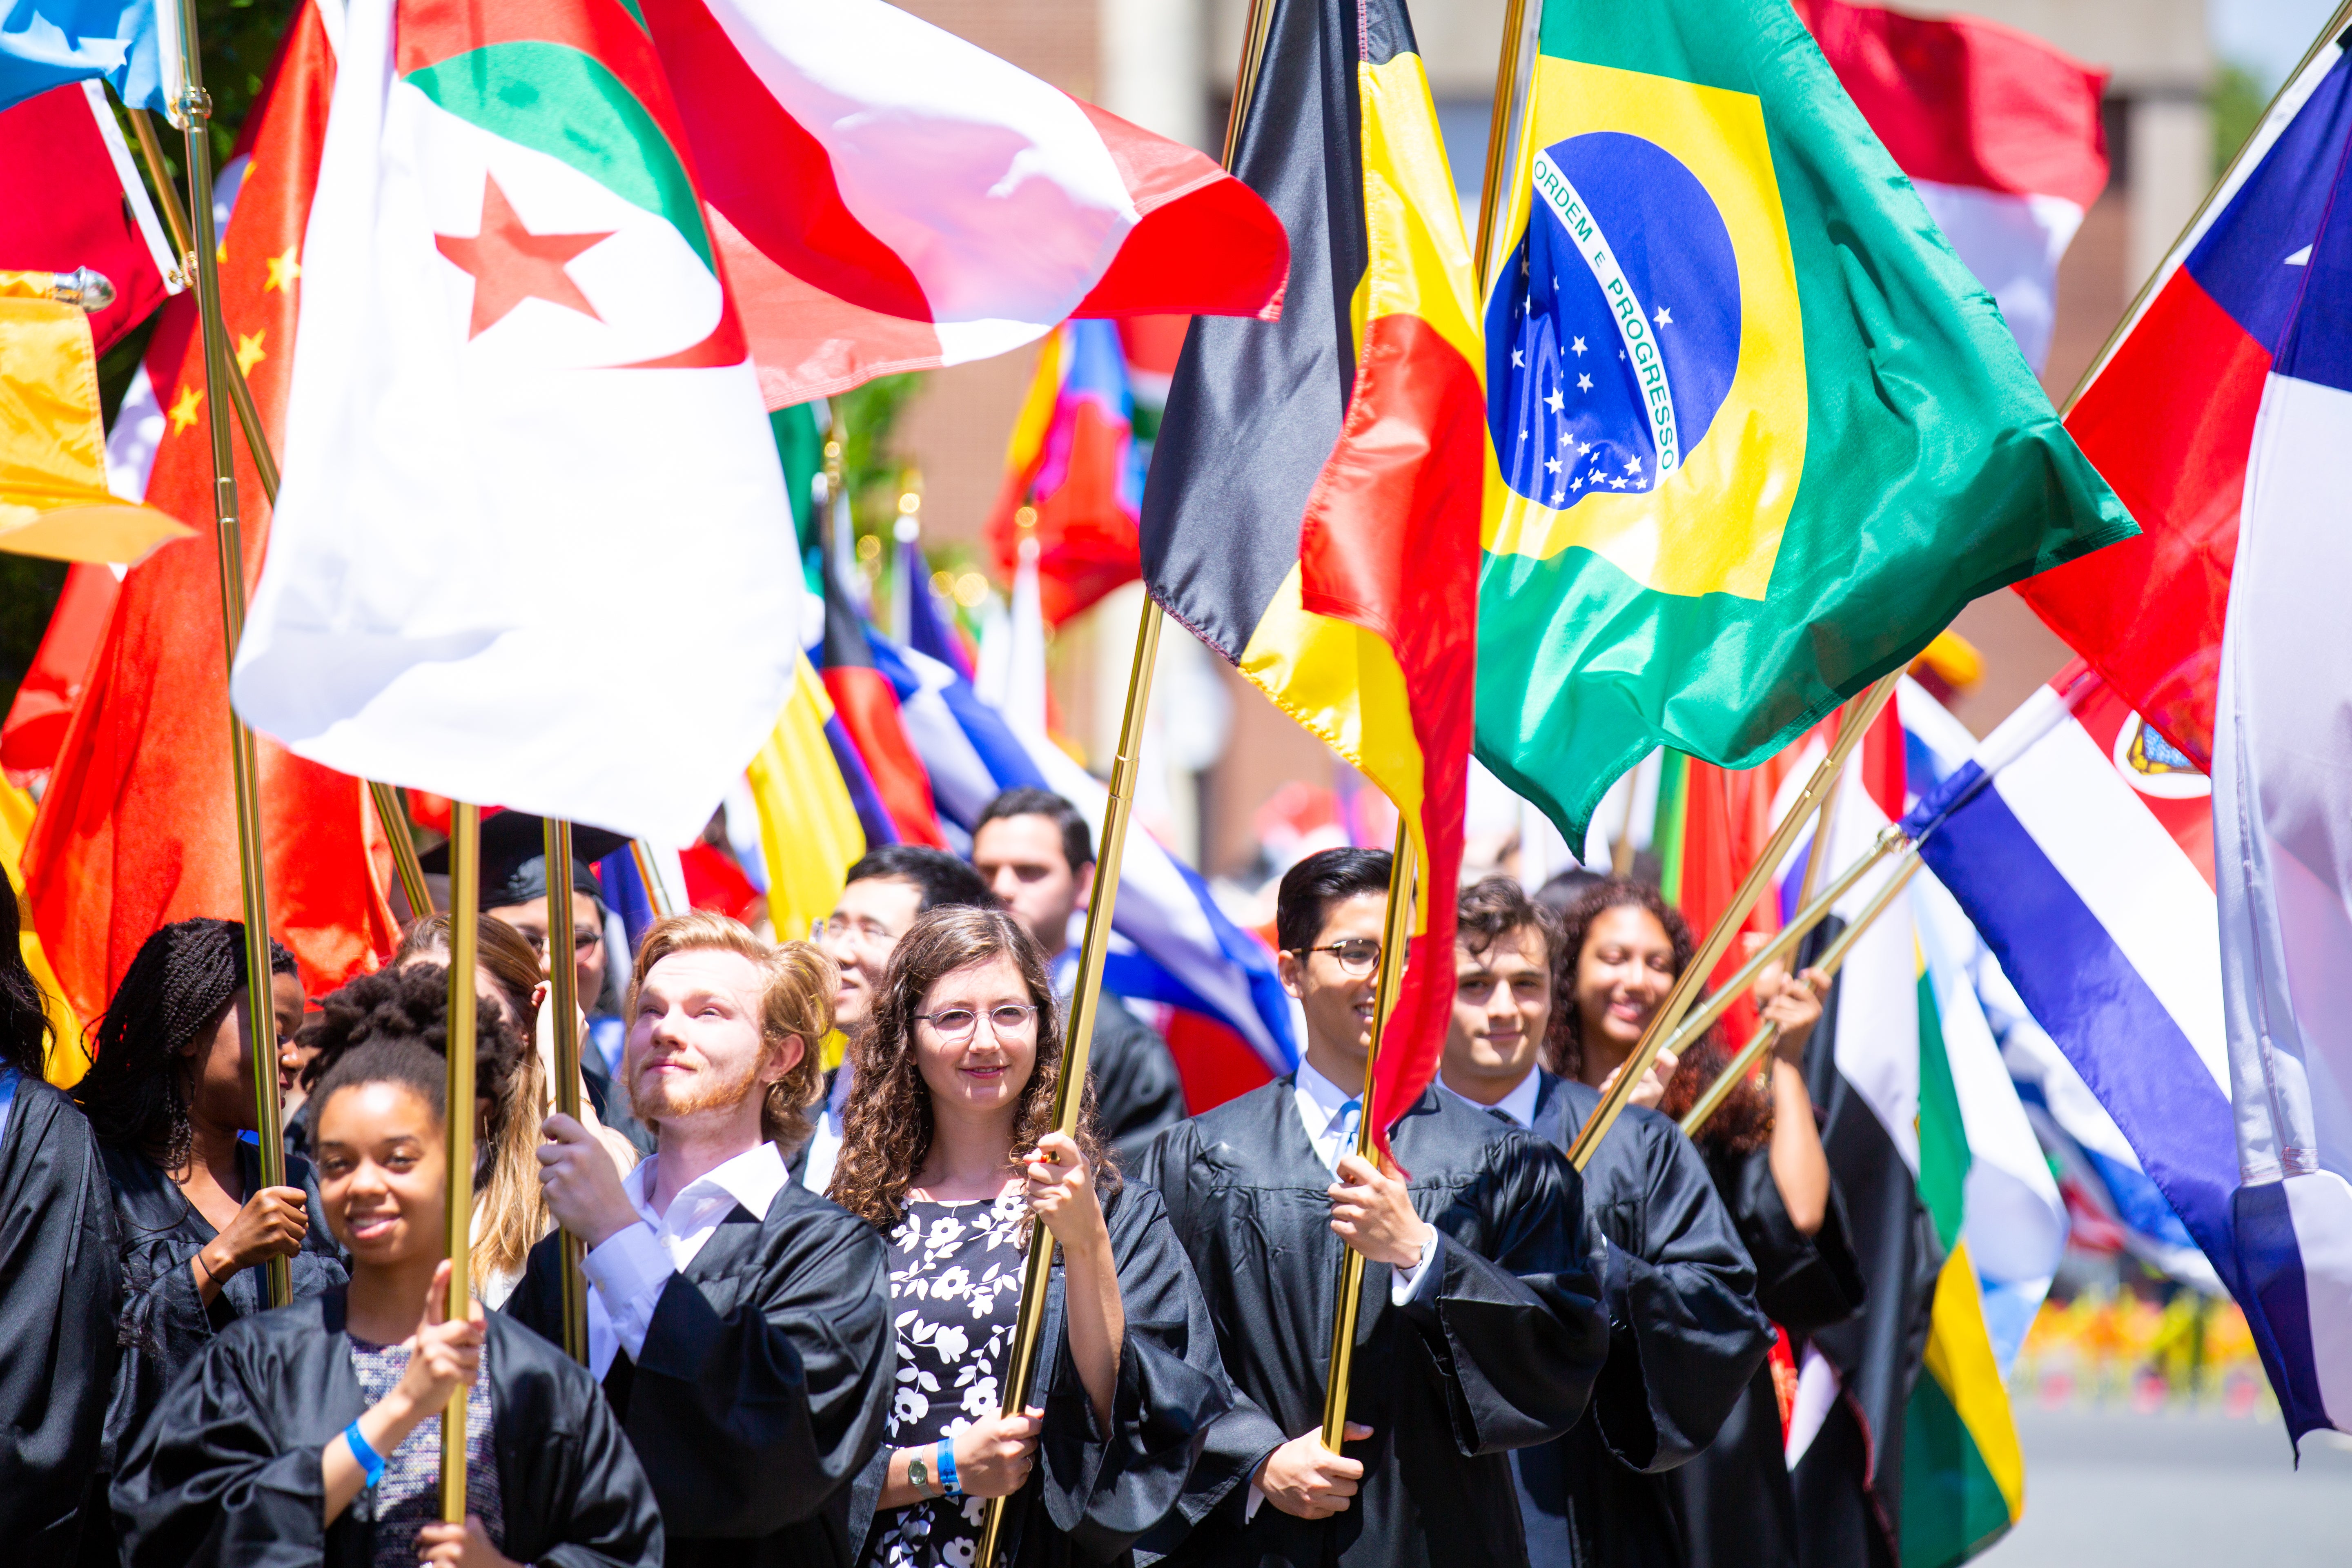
(465, 925)
(1662, 1025)
(1069, 1084)
(195, 115)
(564, 995)
(1086, 992)
(1395, 936)
(388, 809)
(1830, 961)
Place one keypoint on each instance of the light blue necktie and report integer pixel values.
(1349, 1115)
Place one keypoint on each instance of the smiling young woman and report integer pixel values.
(316, 1429)
(949, 1150)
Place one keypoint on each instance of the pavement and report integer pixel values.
(2114, 1486)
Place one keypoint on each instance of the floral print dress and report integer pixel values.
(955, 1288)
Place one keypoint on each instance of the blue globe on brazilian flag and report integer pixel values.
(1755, 434)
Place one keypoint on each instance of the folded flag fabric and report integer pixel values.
(2169, 416)
(45, 698)
(517, 347)
(866, 713)
(70, 198)
(53, 495)
(2282, 806)
(1336, 567)
(68, 1049)
(134, 45)
(809, 831)
(889, 197)
(1172, 943)
(137, 826)
(1759, 432)
(2081, 845)
(2000, 133)
(1074, 472)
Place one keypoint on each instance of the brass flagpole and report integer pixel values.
(1693, 974)
(1394, 936)
(1832, 959)
(195, 115)
(465, 925)
(1069, 1085)
(1109, 853)
(388, 809)
(564, 996)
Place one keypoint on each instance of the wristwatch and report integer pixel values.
(918, 1471)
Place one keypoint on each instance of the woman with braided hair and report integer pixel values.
(60, 1282)
(168, 1094)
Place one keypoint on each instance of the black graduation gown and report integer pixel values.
(1737, 1508)
(1138, 1094)
(1499, 1351)
(60, 1290)
(1102, 1490)
(763, 1384)
(228, 1474)
(166, 1323)
(1685, 1338)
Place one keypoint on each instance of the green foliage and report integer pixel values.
(870, 469)
(2238, 102)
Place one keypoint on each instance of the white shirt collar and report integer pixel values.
(1520, 1105)
(1320, 1095)
(751, 1178)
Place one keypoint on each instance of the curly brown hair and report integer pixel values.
(1744, 1122)
(887, 1129)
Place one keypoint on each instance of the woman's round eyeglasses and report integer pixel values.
(957, 1024)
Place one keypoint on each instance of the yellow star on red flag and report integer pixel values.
(183, 408)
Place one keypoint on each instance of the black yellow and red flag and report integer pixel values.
(1314, 502)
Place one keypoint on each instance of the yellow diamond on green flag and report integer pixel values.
(1755, 432)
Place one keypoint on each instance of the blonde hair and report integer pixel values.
(796, 987)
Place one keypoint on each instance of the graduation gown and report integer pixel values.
(1138, 1094)
(228, 1474)
(165, 1322)
(1496, 1351)
(763, 1384)
(1737, 1507)
(60, 1288)
(1094, 1491)
(1686, 1337)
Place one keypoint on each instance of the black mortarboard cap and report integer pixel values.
(514, 859)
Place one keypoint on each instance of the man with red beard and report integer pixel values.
(739, 1322)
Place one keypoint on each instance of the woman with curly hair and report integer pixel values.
(314, 1432)
(168, 1094)
(1623, 949)
(949, 1149)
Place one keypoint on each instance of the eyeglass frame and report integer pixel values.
(1031, 1012)
(1302, 953)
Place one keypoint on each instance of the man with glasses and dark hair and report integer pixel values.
(1038, 856)
(1481, 1329)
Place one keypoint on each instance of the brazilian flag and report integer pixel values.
(1755, 434)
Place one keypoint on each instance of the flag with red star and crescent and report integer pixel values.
(520, 379)
(138, 823)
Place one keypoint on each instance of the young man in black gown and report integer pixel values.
(1480, 1329)
(1686, 1334)
(740, 1323)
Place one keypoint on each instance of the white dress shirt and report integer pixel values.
(1520, 1105)
(1328, 1113)
(629, 1270)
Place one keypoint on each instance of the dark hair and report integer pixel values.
(24, 1027)
(1310, 888)
(389, 1058)
(1560, 894)
(411, 1005)
(1744, 1121)
(1496, 907)
(942, 879)
(181, 983)
(886, 1132)
(1077, 840)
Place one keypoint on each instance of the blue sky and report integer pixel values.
(2267, 35)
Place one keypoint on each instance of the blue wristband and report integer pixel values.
(369, 1459)
(944, 1460)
